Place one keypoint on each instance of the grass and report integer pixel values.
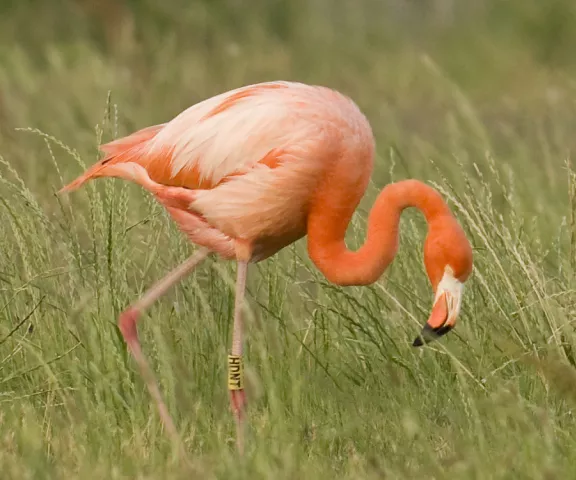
(336, 390)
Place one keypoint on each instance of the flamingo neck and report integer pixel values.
(342, 266)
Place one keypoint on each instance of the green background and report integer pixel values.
(477, 98)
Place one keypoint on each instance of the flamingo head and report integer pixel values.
(445, 310)
(448, 260)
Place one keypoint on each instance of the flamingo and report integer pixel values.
(248, 172)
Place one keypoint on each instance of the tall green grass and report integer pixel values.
(335, 388)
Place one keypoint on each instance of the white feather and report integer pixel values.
(454, 287)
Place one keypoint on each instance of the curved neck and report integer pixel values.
(327, 227)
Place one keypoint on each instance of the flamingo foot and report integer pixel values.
(127, 325)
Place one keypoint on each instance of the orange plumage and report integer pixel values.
(250, 171)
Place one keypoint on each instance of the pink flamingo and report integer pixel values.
(248, 172)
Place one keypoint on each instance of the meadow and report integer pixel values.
(479, 102)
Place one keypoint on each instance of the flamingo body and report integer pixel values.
(252, 158)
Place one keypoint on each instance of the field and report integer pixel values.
(480, 103)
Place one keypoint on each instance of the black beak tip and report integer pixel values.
(430, 334)
(418, 342)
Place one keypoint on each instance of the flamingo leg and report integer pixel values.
(235, 363)
(127, 325)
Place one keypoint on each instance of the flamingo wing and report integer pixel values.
(221, 137)
(226, 135)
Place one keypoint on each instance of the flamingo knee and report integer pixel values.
(127, 325)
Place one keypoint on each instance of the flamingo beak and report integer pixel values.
(444, 312)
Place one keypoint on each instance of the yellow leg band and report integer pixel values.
(235, 372)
